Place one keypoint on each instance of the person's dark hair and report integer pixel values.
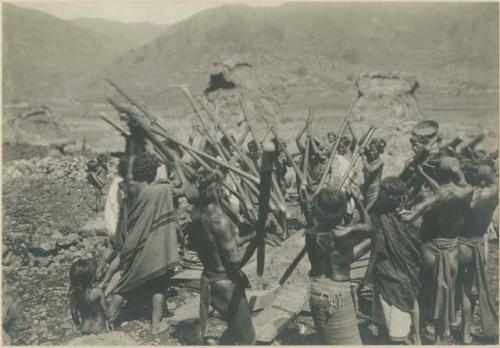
(344, 144)
(330, 206)
(378, 144)
(92, 165)
(391, 195)
(144, 167)
(210, 149)
(102, 159)
(209, 186)
(226, 142)
(81, 276)
(252, 146)
(123, 166)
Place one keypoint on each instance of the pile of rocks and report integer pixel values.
(49, 168)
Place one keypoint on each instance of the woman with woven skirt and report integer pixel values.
(330, 248)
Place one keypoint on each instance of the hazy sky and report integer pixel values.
(163, 12)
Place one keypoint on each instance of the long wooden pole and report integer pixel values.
(295, 167)
(116, 126)
(367, 139)
(171, 156)
(266, 169)
(153, 119)
(334, 151)
(250, 125)
(276, 187)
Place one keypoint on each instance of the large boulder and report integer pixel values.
(37, 126)
(386, 95)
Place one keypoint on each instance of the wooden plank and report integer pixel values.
(188, 274)
(188, 311)
(292, 298)
(272, 320)
(358, 268)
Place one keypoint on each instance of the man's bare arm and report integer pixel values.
(371, 167)
(361, 248)
(360, 229)
(112, 269)
(300, 146)
(430, 202)
(432, 183)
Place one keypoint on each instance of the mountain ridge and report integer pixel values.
(45, 56)
(306, 48)
(137, 33)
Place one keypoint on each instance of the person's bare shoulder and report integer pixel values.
(219, 222)
(96, 294)
(485, 194)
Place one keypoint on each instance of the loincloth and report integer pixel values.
(443, 300)
(489, 317)
(333, 311)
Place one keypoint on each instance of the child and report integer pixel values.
(86, 302)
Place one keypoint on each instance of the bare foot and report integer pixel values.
(416, 340)
(162, 326)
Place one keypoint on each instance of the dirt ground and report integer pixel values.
(37, 210)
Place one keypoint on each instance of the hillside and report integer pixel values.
(44, 57)
(305, 50)
(137, 34)
(320, 48)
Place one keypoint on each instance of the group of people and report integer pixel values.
(425, 230)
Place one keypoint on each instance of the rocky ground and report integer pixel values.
(46, 202)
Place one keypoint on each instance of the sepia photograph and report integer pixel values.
(249, 173)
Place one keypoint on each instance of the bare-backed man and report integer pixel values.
(472, 252)
(443, 213)
(214, 237)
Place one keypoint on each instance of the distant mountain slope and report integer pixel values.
(136, 33)
(296, 49)
(44, 57)
(321, 46)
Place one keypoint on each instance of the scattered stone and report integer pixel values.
(94, 226)
(42, 246)
(69, 240)
(114, 338)
(211, 342)
(66, 326)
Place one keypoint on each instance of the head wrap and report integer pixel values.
(392, 189)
